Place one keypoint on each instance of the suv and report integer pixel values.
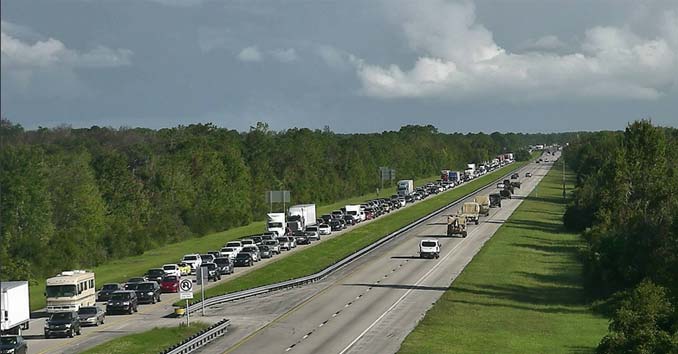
(107, 290)
(148, 292)
(122, 301)
(155, 274)
(13, 344)
(224, 265)
(193, 260)
(212, 271)
(207, 258)
(63, 323)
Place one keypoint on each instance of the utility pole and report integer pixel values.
(562, 157)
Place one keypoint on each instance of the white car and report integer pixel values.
(193, 260)
(235, 244)
(312, 232)
(324, 229)
(171, 269)
(229, 252)
(500, 185)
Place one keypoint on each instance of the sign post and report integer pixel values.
(202, 274)
(186, 292)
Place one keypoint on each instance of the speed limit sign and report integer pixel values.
(185, 289)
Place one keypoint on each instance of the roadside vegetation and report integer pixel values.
(626, 207)
(522, 293)
(149, 342)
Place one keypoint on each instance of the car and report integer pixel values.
(193, 260)
(214, 253)
(212, 271)
(224, 265)
(313, 232)
(63, 324)
(229, 252)
(243, 260)
(500, 186)
(171, 269)
(91, 315)
(528, 174)
(132, 282)
(207, 258)
(302, 240)
(267, 237)
(13, 344)
(155, 274)
(107, 290)
(265, 252)
(336, 225)
(326, 218)
(409, 198)
(122, 301)
(148, 292)
(273, 245)
(284, 243)
(324, 229)
(349, 219)
(247, 242)
(184, 269)
(515, 176)
(254, 250)
(257, 240)
(234, 244)
(337, 214)
(170, 284)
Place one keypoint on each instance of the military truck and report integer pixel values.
(471, 211)
(456, 225)
(505, 194)
(515, 185)
(484, 202)
(495, 200)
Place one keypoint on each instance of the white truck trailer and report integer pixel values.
(300, 216)
(275, 222)
(14, 307)
(405, 187)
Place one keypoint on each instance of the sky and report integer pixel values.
(354, 66)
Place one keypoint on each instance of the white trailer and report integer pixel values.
(302, 215)
(275, 222)
(14, 307)
(356, 211)
(405, 187)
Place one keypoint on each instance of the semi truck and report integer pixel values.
(275, 223)
(405, 187)
(300, 216)
(455, 176)
(470, 211)
(14, 307)
(484, 202)
(456, 225)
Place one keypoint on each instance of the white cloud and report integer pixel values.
(459, 59)
(250, 54)
(284, 55)
(545, 43)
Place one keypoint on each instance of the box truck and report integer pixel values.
(14, 307)
(275, 223)
(405, 187)
(300, 216)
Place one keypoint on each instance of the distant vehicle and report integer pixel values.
(155, 274)
(91, 315)
(265, 252)
(284, 243)
(355, 211)
(405, 187)
(213, 273)
(257, 240)
(63, 324)
(247, 242)
(429, 249)
(273, 245)
(234, 244)
(349, 219)
(528, 174)
(301, 216)
(193, 260)
(409, 199)
(336, 225)
(326, 218)
(456, 225)
(505, 194)
(229, 252)
(470, 210)
(171, 269)
(484, 202)
(516, 184)
(13, 344)
(184, 269)
(253, 250)
(495, 200)
(148, 292)
(225, 264)
(14, 307)
(500, 186)
(107, 290)
(243, 260)
(313, 232)
(122, 301)
(302, 239)
(169, 284)
(276, 223)
(337, 214)
(515, 176)
(208, 258)
(69, 290)
(324, 229)
(131, 283)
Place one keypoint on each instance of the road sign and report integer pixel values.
(185, 289)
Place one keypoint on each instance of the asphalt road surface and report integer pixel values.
(369, 306)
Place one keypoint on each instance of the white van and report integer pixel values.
(356, 211)
(429, 249)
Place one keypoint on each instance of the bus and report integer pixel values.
(69, 290)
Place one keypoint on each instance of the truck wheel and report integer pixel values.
(71, 334)
(477, 222)
(136, 308)
(464, 234)
(78, 331)
(130, 311)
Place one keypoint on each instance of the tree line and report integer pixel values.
(626, 206)
(72, 198)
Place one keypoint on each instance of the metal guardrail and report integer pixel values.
(199, 339)
(219, 299)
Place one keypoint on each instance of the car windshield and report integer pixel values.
(60, 316)
(120, 296)
(156, 272)
(233, 244)
(211, 266)
(60, 290)
(242, 256)
(145, 286)
(313, 228)
(132, 286)
(87, 310)
(275, 224)
(8, 340)
(171, 278)
(169, 267)
(221, 261)
(110, 287)
(428, 244)
(249, 249)
(247, 242)
(190, 258)
(263, 248)
(135, 280)
(269, 242)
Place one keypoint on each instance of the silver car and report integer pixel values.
(91, 315)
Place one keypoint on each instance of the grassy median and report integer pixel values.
(322, 255)
(522, 293)
(149, 342)
(120, 270)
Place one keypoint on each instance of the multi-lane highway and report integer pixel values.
(370, 306)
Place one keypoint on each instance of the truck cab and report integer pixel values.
(429, 248)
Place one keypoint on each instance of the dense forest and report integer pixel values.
(79, 197)
(626, 206)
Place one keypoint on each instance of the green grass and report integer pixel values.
(117, 271)
(522, 293)
(149, 342)
(322, 255)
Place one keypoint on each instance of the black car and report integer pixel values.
(63, 323)
(336, 225)
(148, 292)
(409, 199)
(124, 301)
(243, 260)
(326, 218)
(224, 265)
(302, 239)
(213, 273)
(107, 290)
(13, 344)
(495, 200)
(131, 283)
(349, 219)
(155, 275)
(505, 194)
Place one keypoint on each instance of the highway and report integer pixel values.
(369, 306)
(150, 316)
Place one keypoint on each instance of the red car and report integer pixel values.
(169, 284)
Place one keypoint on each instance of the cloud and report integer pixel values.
(545, 43)
(284, 55)
(459, 59)
(250, 54)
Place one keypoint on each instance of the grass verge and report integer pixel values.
(149, 342)
(322, 255)
(119, 270)
(522, 293)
